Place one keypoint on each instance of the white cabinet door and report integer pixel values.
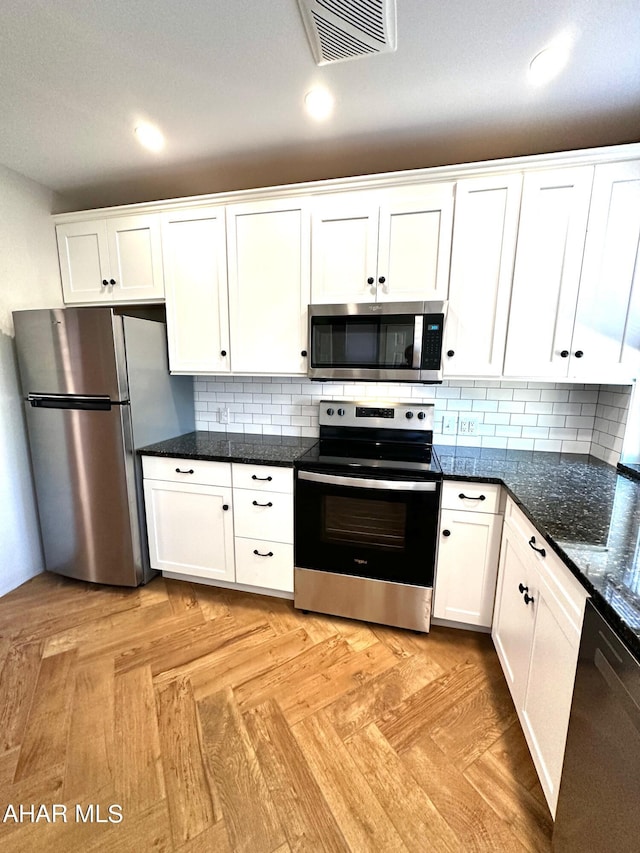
(607, 329)
(83, 251)
(135, 256)
(414, 243)
(195, 265)
(386, 246)
(513, 618)
(547, 702)
(190, 529)
(482, 257)
(467, 566)
(268, 266)
(551, 236)
(344, 248)
(111, 260)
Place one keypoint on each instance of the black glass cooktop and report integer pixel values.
(381, 457)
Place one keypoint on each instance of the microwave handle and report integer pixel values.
(418, 329)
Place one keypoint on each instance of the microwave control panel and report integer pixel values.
(432, 341)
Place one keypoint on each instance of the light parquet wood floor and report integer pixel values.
(221, 721)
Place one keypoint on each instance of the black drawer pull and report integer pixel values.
(528, 598)
(180, 471)
(464, 497)
(255, 503)
(522, 588)
(264, 479)
(532, 544)
(257, 553)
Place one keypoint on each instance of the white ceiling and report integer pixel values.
(225, 79)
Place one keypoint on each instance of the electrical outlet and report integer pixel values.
(468, 426)
(449, 424)
(223, 415)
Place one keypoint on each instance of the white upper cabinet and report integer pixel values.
(482, 256)
(607, 328)
(111, 260)
(195, 266)
(551, 236)
(387, 246)
(268, 268)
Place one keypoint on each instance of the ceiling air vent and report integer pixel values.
(346, 29)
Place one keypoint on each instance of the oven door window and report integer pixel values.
(371, 533)
(381, 342)
(360, 521)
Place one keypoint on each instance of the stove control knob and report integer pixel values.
(409, 415)
(341, 412)
(421, 416)
(330, 411)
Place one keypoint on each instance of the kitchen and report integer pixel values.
(35, 283)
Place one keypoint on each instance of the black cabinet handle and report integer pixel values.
(578, 353)
(532, 544)
(257, 553)
(255, 503)
(112, 281)
(522, 588)
(446, 533)
(564, 353)
(451, 353)
(464, 497)
(180, 471)
(225, 507)
(262, 479)
(381, 280)
(528, 598)
(370, 280)
(304, 353)
(104, 282)
(223, 352)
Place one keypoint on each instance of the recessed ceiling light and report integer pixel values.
(550, 61)
(149, 136)
(319, 104)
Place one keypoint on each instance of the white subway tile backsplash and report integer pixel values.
(509, 413)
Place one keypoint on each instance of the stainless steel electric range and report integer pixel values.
(367, 502)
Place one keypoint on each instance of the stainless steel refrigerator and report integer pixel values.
(96, 386)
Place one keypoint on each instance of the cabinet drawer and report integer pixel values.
(270, 478)
(473, 497)
(258, 515)
(204, 473)
(263, 563)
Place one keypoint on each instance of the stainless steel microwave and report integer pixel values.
(378, 342)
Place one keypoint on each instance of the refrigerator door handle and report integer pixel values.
(71, 401)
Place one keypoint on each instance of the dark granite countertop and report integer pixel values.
(232, 447)
(588, 512)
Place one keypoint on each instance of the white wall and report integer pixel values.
(29, 278)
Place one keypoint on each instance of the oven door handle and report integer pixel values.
(362, 483)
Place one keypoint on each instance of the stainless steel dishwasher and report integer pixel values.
(599, 800)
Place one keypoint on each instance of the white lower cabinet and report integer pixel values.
(263, 514)
(536, 631)
(200, 524)
(189, 519)
(469, 544)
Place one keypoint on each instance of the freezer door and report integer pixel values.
(84, 475)
(71, 351)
